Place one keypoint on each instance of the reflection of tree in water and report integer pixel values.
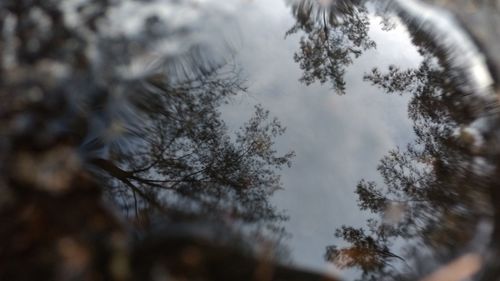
(335, 35)
(74, 89)
(188, 164)
(433, 196)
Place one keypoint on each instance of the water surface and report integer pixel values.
(350, 137)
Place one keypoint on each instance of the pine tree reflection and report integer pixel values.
(85, 116)
(433, 195)
(187, 165)
(335, 34)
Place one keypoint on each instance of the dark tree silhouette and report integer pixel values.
(334, 35)
(432, 185)
(156, 131)
(85, 116)
(365, 251)
(187, 162)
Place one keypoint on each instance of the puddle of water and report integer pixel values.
(352, 137)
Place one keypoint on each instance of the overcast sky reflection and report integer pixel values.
(337, 139)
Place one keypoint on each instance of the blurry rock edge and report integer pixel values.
(76, 85)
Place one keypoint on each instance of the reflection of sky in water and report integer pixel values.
(144, 115)
(337, 139)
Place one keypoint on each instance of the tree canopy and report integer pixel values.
(97, 105)
(333, 35)
(432, 197)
